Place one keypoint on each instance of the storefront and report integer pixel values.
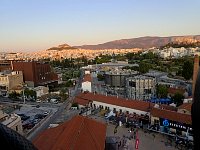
(174, 127)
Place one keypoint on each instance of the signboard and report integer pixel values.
(174, 124)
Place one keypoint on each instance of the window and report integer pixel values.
(16, 128)
(156, 121)
(132, 84)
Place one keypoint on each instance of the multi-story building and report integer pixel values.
(35, 73)
(10, 80)
(12, 121)
(5, 65)
(115, 81)
(140, 87)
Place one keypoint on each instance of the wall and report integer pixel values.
(15, 80)
(11, 80)
(124, 109)
(86, 86)
(13, 122)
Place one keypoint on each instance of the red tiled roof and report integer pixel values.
(81, 101)
(87, 77)
(186, 106)
(80, 133)
(168, 107)
(175, 90)
(134, 104)
(171, 115)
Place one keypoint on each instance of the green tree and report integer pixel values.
(161, 91)
(144, 67)
(100, 77)
(29, 93)
(75, 105)
(14, 95)
(187, 70)
(63, 94)
(69, 83)
(178, 99)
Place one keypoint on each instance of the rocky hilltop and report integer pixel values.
(61, 47)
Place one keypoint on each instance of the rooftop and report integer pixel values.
(87, 77)
(186, 106)
(175, 90)
(81, 101)
(140, 77)
(134, 104)
(171, 115)
(79, 133)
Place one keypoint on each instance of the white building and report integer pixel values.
(87, 71)
(140, 87)
(113, 103)
(12, 121)
(41, 90)
(87, 84)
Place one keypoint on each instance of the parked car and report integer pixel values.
(28, 126)
(23, 117)
(46, 113)
(39, 116)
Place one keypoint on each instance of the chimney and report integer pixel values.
(195, 72)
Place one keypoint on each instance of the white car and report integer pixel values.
(38, 101)
(46, 113)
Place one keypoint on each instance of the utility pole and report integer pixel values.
(23, 95)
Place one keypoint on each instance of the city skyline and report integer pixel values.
(38, 25)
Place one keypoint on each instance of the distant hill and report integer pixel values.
(61, 47)
(143, 42)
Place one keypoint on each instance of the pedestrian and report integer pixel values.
(115, 130)
(153, 136)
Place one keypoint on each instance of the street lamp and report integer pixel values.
(23, 86)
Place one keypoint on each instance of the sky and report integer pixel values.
(31, 25)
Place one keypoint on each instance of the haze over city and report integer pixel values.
(37, 25)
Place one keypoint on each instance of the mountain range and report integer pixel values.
(141, 42)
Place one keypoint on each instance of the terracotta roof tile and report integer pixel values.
(171, 115)
(79, 133)
(134, 104)
(87, 77)
(175, 90)
(186, 106)
(81, 101)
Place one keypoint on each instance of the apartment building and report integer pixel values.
(140, 87)
(36, 73)
(12, 121)
(10, 80)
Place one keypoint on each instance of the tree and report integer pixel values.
(100, 77)
(69, 83)
(161, 91)
(75, 105)
(178, 99)
(30, 93)
(187, 70)
(14, 95)
(144, 67)
(63, 94)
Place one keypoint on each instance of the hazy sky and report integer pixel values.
(40, 24)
